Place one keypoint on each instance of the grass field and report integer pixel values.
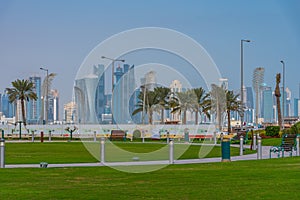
(260, 179)
(75, 152)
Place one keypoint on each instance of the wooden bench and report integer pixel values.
(117, 135)
(288, 144)
(237, 137)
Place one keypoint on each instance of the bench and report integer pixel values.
(288, 144)
(117, 135)
(238, 136)
(201, 137)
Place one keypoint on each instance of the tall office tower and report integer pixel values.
(224, 83)
(258, 79)
(100, 101)
(123, 90)
(296, 107)
(85, 96)
(175, 86)
(8, 109)
(70, 110)
(19, 116)
(33, 107)
(288, 103)
(53, 114)
(267, 104)
(249, 105)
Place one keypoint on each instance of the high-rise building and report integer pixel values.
(85, 96)
(8, 109)
(33, 107)
(53, 113)
(267, 104)
(296, 107)
(288, 103)
(70, 112)
(123, 91)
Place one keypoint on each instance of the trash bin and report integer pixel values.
(186, 135)
(225, 148)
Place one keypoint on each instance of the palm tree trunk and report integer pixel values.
(162, 116)
(150, 117)
(23, 112)
(279, 112)
(228, 121)
(184, 117)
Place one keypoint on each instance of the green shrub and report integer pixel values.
(260, 132)
(272, 131)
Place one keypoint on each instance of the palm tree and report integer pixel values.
(218, 103)
(147, 103)
(22, 90)
(232, 104)
(162, 94)
(186, 101)
(203, 103)
(277, 94)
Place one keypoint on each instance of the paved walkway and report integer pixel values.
(265, 155)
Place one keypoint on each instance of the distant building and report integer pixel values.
(8, 109)
(70, 112)
(267, 104)
(33, 107)
(53, 113)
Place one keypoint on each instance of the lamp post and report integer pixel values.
(113, 69)
(242, 80)
(283, 98)
(47, 85)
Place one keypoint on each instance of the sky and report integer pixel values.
(58, 35)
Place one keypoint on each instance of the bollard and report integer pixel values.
(168, 137)
(254, 142)
(32, 136)
(298, 146)
(102, 152)
(49, 136)
(2, 153)
(241, 145)
(95, 136)
(171, 152)
(259, 148)
(42, 136)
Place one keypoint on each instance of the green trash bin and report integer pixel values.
(225, 148)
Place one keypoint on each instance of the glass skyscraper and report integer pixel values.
(33, 108)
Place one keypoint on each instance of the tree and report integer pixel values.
(162, 94)
(232, 104)
(277, 94)
(22, 90)
(186, 101)
(203, 103)
(218, 103)
(147, 103)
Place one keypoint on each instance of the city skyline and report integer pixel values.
(58, 36)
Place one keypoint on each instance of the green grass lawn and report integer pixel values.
(260, 179)
(75, 152)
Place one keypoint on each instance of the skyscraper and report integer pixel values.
(53, 114)
(8, 109)
(267, 104)
(33, 108)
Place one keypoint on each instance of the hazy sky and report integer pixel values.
(58, 35)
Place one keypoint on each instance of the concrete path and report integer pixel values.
(265, 155)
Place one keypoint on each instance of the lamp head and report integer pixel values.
(282, 61)
(103, 57)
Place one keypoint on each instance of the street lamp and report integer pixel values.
(283, 71)
(113, 69)
(242, 80)
(47, 77)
